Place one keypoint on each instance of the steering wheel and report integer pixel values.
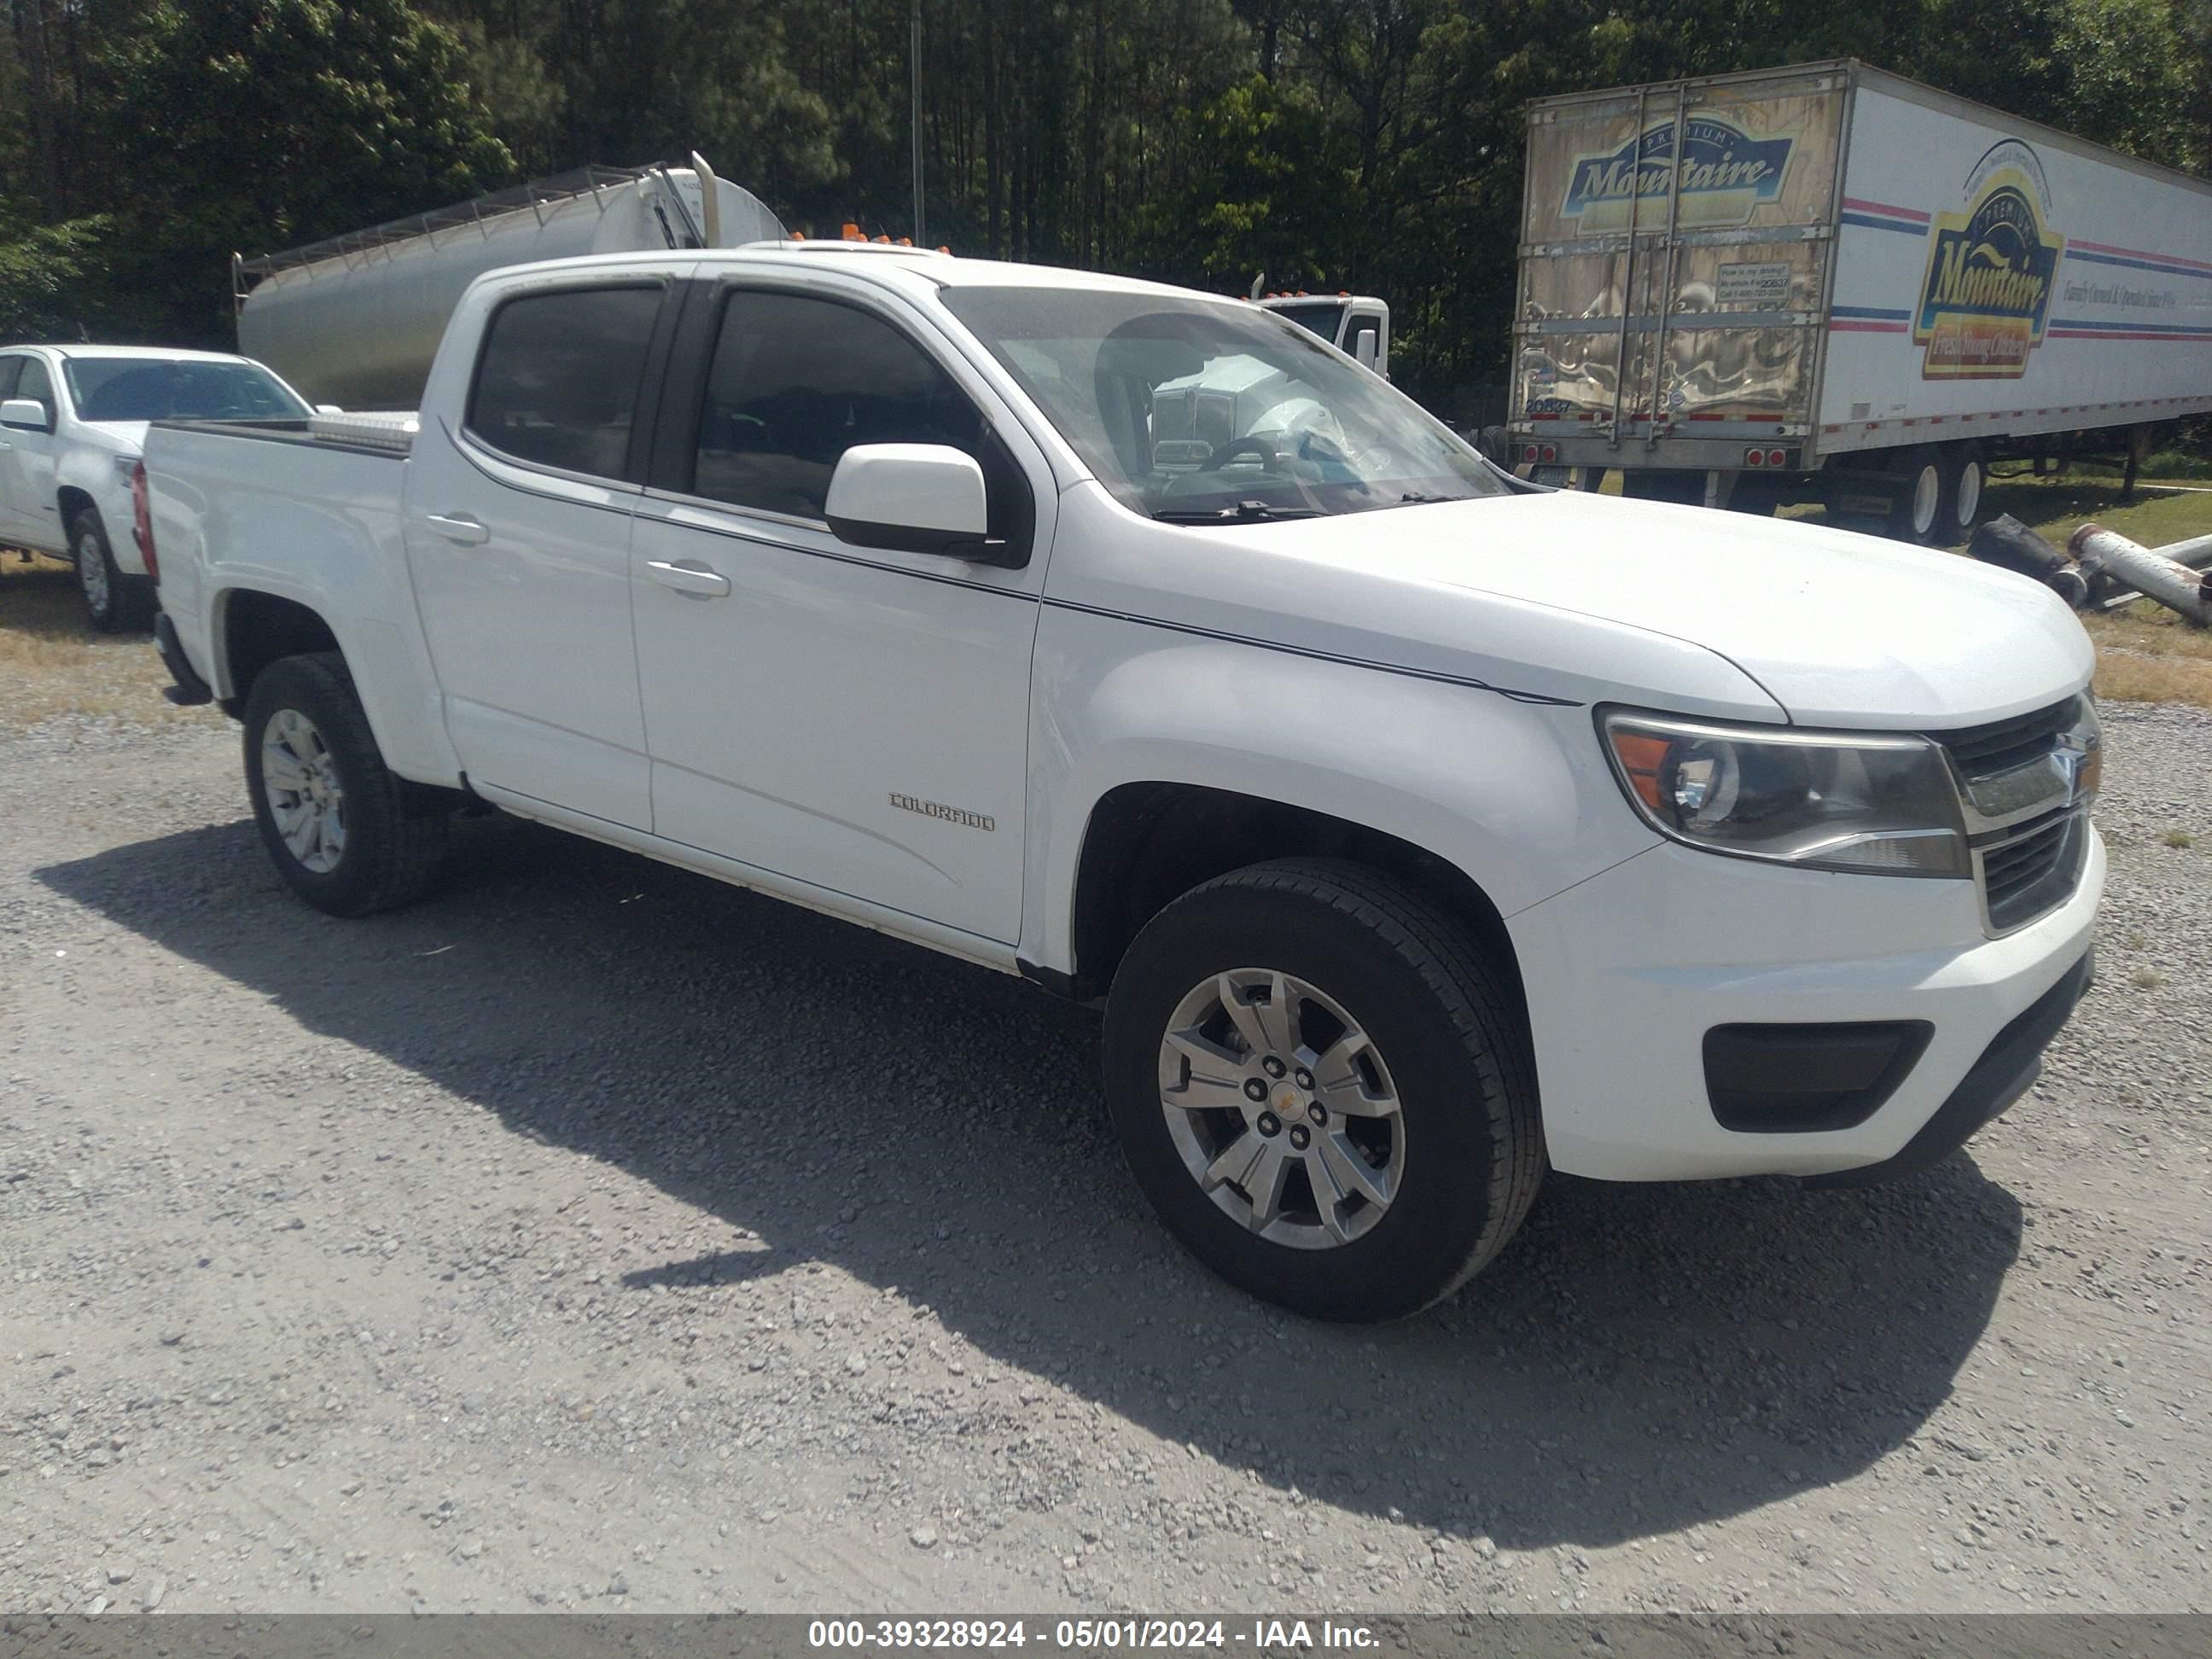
(1258, 447)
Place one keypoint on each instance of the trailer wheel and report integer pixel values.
(1964, 507)
(1918, 513)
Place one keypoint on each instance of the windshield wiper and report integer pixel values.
(1242, 513)
(1414, 498)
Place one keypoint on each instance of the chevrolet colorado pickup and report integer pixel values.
(72, 421)
(1419, 831)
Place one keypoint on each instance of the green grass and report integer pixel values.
(2055, 507)
(2172, 464)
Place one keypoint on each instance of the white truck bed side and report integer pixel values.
(317, 522)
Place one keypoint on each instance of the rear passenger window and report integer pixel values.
(557, 381)
(795, 382)
(9, 368)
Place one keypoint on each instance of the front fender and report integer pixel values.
(93, 472)
(1514, 794)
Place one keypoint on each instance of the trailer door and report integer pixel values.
(1675, 270)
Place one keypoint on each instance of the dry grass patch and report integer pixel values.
(2146, 654)
(52, 664)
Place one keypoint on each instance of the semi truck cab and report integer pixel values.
(1357, 324)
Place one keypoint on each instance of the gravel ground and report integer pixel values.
(591, 1235)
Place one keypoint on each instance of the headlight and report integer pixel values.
(1878, 805)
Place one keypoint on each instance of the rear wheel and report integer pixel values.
(1321, 1083)
(346, 834)
(1963, 508)
(1918, 514)
(114, 603)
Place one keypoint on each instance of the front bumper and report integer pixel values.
(1627, 972)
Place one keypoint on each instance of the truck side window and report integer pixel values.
(559, 379)
(796, 381)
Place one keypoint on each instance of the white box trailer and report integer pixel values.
(1826, 282)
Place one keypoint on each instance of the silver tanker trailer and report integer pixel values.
(354, 320)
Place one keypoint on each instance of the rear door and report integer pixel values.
(854, 717)
(518, 528)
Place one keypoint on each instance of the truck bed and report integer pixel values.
(320, 524)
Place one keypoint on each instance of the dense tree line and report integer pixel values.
(1366, 143)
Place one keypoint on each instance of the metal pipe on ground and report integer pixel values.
(2155, 574)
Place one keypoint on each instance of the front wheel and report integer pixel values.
(113, 602)
(1321, 1084)
(346, 835)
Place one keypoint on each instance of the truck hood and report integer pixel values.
(1838, 628)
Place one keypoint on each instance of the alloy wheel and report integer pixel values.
(1282, 1109)
(300, 780)
(92, 572)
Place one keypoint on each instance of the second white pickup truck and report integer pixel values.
(1418, 830)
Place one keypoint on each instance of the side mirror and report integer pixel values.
(328, 409)
(1364, 346)
(915, 498)
(26, 415)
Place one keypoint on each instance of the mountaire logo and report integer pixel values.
(1985, 297)
(1725, 172)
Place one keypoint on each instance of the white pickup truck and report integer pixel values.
(1418, 829)
(72, 419)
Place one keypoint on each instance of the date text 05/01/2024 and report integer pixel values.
(1257, 1636)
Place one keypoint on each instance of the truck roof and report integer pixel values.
(154, 354)
(916, 270)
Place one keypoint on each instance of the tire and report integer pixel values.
(1962, 503)
(1456, 1159)
(1917, 515)
(391, 834)
(114, 603)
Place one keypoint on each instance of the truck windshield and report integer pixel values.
(1322, 316)
(153, 389)
(1187, 408)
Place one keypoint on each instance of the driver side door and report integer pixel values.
(854, 717)
(27, 464)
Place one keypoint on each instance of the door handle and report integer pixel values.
(6, 446)
(690, 578)
(458, 527)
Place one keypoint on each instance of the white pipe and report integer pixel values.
(711, 211)
(2173, 584)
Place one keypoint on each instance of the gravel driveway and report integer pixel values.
(594, 1235)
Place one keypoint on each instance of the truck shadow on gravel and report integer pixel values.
(1642, 1360)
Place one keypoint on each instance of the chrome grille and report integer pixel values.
(1985, 751)
(2033, 871)
(2025, 784)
